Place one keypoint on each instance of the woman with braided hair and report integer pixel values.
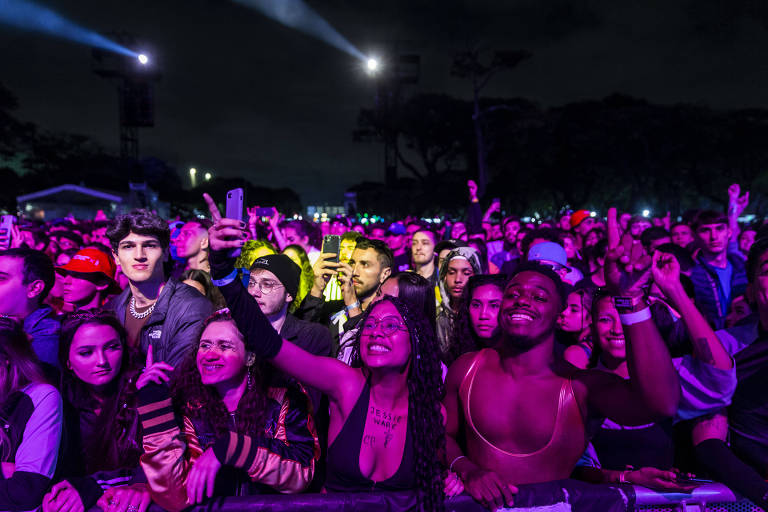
(386, 427)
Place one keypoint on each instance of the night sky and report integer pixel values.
(243, 95)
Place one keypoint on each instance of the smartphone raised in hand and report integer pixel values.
(332, 244)
(234, 210)
(234, 204)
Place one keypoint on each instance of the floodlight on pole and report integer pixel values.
(372, 65)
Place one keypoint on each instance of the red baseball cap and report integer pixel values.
(89, 261)
(578, 216)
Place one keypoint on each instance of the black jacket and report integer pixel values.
(174, 326)
(317, 310)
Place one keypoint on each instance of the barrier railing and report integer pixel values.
(560, 496)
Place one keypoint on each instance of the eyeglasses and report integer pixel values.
(387, 325)
(265, 287)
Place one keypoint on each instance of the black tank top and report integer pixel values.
(343, 468)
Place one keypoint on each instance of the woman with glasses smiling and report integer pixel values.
(386, 427)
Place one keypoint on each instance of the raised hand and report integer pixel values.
(225, 234)
(613, 253)
(324, 269)
(737, 203)
(666, 272)
(347, 285)
(153, 371)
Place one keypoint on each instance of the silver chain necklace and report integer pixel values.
(137, 315)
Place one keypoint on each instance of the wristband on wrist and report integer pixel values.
(623, 477)
(629, 303)
(636, 317)
(352, 306)
(225, 280)
(450, 468)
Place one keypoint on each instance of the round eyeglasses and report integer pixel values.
(266, 287)
(387, 325)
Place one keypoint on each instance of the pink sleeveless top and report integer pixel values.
(554, 461)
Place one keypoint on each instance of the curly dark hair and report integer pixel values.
(198, 401)
(463, 337)
(117, 445)
(425, 393)
(141, 222)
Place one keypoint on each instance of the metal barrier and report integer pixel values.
(568, 494)
(707, 498)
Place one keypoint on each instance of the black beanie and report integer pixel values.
(286, 271)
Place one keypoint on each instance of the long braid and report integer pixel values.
(425, 393)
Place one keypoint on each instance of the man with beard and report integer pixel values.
(510, 228)
(370, 265)
(526, 415)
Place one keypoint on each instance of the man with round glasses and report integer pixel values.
(273, 283)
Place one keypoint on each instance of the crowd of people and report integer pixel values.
(146, 361)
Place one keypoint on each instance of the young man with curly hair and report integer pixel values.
(164, 313)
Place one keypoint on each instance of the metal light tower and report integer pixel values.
(134, 79)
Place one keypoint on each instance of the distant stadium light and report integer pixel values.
(646, 213)
(143, 59)
(372, 65)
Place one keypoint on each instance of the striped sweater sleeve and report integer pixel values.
(169, 450)
(284, 459)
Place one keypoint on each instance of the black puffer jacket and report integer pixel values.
(174, 327)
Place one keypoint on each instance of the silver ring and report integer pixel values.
(132, 508)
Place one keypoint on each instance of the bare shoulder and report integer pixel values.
(349, 391)
(576, 356)
(459, 369)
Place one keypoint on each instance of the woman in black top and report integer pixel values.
(388, 409)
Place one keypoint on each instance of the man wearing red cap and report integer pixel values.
(88, 279)
(581, 223)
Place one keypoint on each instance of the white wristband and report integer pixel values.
(636, 317)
